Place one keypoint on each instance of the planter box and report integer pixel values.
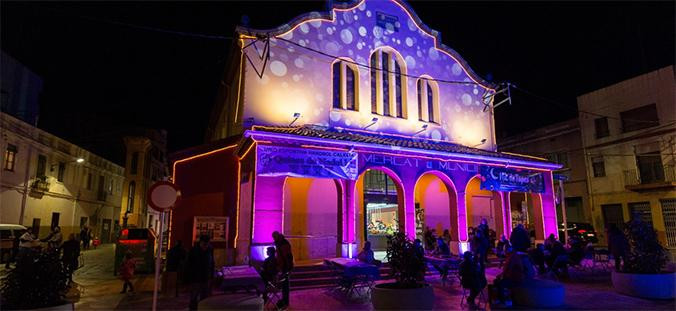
(652, 286)
(387, 297)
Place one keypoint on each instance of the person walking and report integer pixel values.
(84, 237)
(285, 263)
(200, 270)
(481, 243)
(71, 252)
(127, 269)
(175, 260)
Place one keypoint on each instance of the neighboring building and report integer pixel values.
(146, 163)
(349, 130)
(20, 90)
(47, 181)
(560, 143)
(629, 136)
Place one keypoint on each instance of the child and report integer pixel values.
(127, 272)
(269, 270)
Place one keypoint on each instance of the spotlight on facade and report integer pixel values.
(424, 128)
(296, 115)
(373, 121)
(80, 160)
(483, 141)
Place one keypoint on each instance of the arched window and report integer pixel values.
(130, 197)
(428, 100)
(388, 86)
(345, 76)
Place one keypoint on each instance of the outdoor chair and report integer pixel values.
(481, 299)
(273, 293)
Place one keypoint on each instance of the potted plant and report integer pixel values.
(642, 273)
(409, 290)
(39, 280)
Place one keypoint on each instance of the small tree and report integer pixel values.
(646, 255)
(38, 280)
(407, 267)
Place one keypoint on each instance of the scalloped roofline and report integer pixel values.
(328, 16)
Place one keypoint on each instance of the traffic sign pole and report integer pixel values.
(158, 260)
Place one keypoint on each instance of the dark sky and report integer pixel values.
(99, 75)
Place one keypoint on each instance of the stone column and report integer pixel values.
(349, 217)
(548, 205)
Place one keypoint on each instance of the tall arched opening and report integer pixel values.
(526, 209)
(436, 205)
(380, 207)
(484, 204)
(312, 217)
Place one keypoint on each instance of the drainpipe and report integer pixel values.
(25, 184)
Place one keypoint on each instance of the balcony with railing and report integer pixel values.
(657, 177)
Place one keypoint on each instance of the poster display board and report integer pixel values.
(511, 180)
(306, 162)
(215, 227)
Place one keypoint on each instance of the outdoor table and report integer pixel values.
(444, 265)
(353, 273)
(241, 277)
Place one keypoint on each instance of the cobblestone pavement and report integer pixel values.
(584, 291)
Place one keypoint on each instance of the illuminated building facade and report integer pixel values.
(346, 125)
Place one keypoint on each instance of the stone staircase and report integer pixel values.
(320, 276)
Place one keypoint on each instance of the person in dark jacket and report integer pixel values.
(472, 277)
(481, 245)
(200, 270)
(84, 237)
(71, 252)
(285, 265)
(519, 239)
(175, 260)
(537, 256)
(617, 245)
(442, 248)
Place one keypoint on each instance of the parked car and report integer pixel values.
(7, 234)
(584, 231)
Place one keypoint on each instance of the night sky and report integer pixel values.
(101, 75)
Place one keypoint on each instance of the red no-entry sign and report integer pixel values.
(163, 196)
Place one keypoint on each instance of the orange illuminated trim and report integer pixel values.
(525, 155)
(239, 178)
(173, 173)
(239, 87)
(247, 151)
(173, 179)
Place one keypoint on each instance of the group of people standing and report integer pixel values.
(28, 243)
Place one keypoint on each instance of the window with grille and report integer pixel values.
(642, 210)
(669, 215)
(388, 86)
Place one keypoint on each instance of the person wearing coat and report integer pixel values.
(617, 245)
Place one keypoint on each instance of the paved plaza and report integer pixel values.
(584, 291)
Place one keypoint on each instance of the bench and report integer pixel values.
(539, 294)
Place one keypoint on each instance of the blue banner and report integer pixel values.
(305, 162)
(511, 180)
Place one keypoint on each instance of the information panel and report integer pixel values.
(305, 162)
(512, 180)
